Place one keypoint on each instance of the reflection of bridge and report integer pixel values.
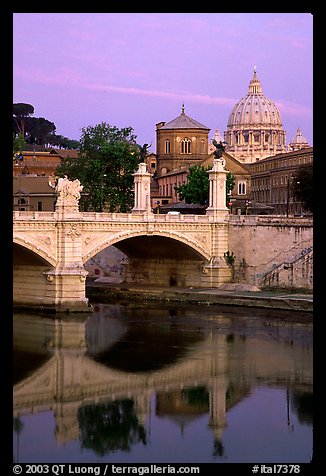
(51, 248)
(70, 378)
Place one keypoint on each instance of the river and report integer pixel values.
(160, 383)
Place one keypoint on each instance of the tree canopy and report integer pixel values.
(37, 130)
(302, 185)
(108, 156)
(197, 189)
(21, 111)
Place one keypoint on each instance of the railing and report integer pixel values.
(159, 218)
(115, 217)
(262, 279)
(269, 220)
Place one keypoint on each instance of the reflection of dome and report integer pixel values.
(254, 129)
(299, 141)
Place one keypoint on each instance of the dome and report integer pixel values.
(299, 141)
(184, 122)
(255, 109)
(254, 128)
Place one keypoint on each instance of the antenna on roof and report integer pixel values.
(183, 109)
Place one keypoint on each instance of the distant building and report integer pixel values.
(298, 141)
(271, 180)
(180, 142)
(31, 174)
(33, 194)
(40, 163)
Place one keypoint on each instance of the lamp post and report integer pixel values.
(18, 162)
(101, 197)
(288, 195)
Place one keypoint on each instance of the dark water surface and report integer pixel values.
(145, 383)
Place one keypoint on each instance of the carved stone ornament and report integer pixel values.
(68, 189)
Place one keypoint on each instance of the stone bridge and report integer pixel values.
(51, 248)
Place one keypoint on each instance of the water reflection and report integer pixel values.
(163, 384)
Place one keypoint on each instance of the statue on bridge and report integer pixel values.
(68, 192)
(220, 148)
(68, 188)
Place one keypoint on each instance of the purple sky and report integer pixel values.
(137, 69)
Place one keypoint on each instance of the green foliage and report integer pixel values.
(302, 185)
(62, 142)
(19, 143)
(197, 188)
(37, 130)
(229, 258)
(230, 183)
(20, 112)
(107, 158)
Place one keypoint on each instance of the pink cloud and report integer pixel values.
(68, 77)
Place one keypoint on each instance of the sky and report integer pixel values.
(138, 69)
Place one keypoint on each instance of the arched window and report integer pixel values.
(167, 146)
(241, 188)
(186, 146)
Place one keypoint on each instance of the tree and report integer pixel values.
(19, 143)
(230, 184)
(39, 130)
(107, 158)
(302, 185)
(20, 112)
(197, 188)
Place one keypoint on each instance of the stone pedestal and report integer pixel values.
(142, 181)
(217, 189)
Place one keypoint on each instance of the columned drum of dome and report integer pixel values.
(254, 129)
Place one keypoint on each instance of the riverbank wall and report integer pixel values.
(236, 296)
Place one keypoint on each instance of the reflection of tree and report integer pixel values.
(303, 404)
(18, 425)
(110, 427)
(218, 448)
(197, 396)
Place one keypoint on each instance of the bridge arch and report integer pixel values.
(36, 249)
(191, 248)
(162, 258)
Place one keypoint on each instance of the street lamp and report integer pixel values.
(101, 197)
(288, 195)
(18, 162)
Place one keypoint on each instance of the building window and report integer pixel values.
(256, 138)
(241, 188)
(167, 146)
(39, 206)
(185, 146)
(202, 146)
